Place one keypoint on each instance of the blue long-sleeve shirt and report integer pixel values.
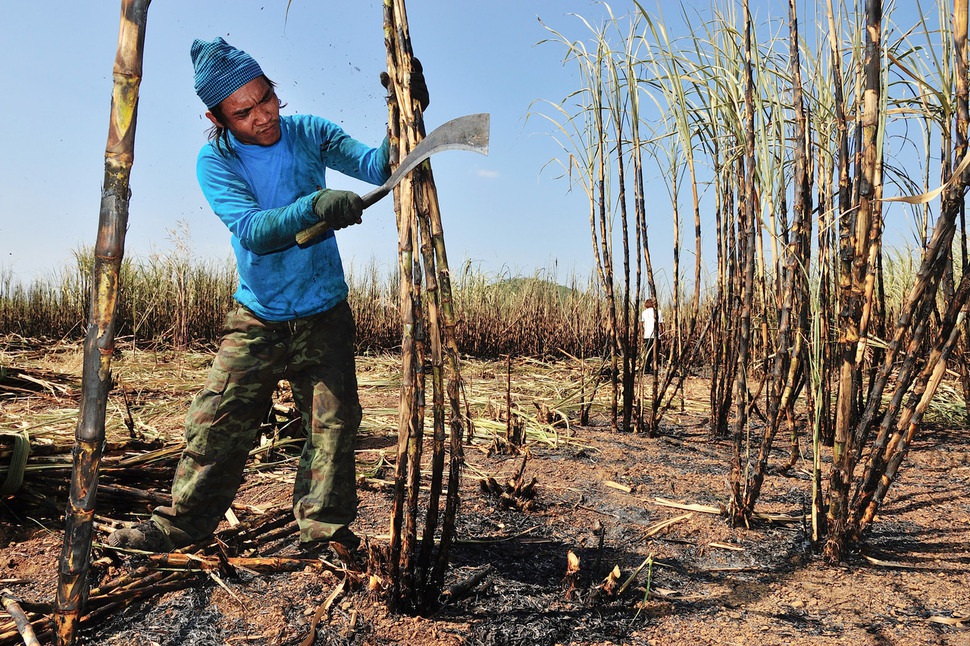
(264, 195)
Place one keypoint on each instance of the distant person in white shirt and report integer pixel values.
(652, 328)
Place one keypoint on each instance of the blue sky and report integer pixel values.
(501, 212)
(507, 212)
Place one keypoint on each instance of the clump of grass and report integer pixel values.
(165, 300)
(529, 316)
(171, 300)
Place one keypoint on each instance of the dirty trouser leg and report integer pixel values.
(323, 376)
(221, 426)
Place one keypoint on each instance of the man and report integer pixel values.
(652, 327)
(265, 176)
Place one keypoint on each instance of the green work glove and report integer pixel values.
(338, 209)
(418, 85)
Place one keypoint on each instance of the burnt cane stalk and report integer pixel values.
(963, 123)
(626, 344)
(865, 508)
(792, 321)
(723, 336)
(99, 341)
(430, 323)
(891, 444)
(742, 395)
(600, 224)
(856, 276)
(410, 421)
(643, 260)
(844, 198)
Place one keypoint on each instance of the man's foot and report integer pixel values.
(146, 537)
(343, 537)
(347, 538)
(343, 544)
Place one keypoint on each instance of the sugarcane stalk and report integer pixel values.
(628, 343)
(147, 581)
(416, 582)
(831, 214)
(99, 342)
(887, 450)
(916, 311)
(860, 242)
(410, 430)
(12, 605)
(459, 590)
(640, 233)
(104, 606)
(960, 33)
(135, 576)
(407, 422)
(720, 371)
(785, 368)
(194, 562)
(845, 209)
(415, 433)
(456, 458)
(11, 633)
(604, 226)
(423, 563)
(885, 447)
(600, 223)
(742, 396)
(909, 422)
(626, 375)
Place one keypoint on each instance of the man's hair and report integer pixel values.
(219, 135)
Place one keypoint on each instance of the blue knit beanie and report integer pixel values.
(220, 70)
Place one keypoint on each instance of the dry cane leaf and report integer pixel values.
(660, 594)
(633, 576)
(215, 577)
(932, 195)
(322, 611)
(664, 593)
(727, 546)
(12, 606)
(618, 486)
(892, 564)
(664, 524)
(706, 509)
(957, 622)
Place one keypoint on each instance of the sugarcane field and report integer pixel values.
(580, 535)
(696, 370)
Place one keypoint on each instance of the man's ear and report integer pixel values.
(213, 119)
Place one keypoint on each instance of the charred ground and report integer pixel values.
(612, 500)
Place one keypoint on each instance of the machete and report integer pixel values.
(464, 133)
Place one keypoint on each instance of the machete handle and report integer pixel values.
(314, 231)
(311, 233)
(375, 195)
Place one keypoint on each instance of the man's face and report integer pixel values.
(251, 113)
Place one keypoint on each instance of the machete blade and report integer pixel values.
(464, 133)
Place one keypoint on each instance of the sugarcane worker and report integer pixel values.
(264, 175)
(652, 321)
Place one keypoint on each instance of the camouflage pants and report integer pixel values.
(316, 355)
